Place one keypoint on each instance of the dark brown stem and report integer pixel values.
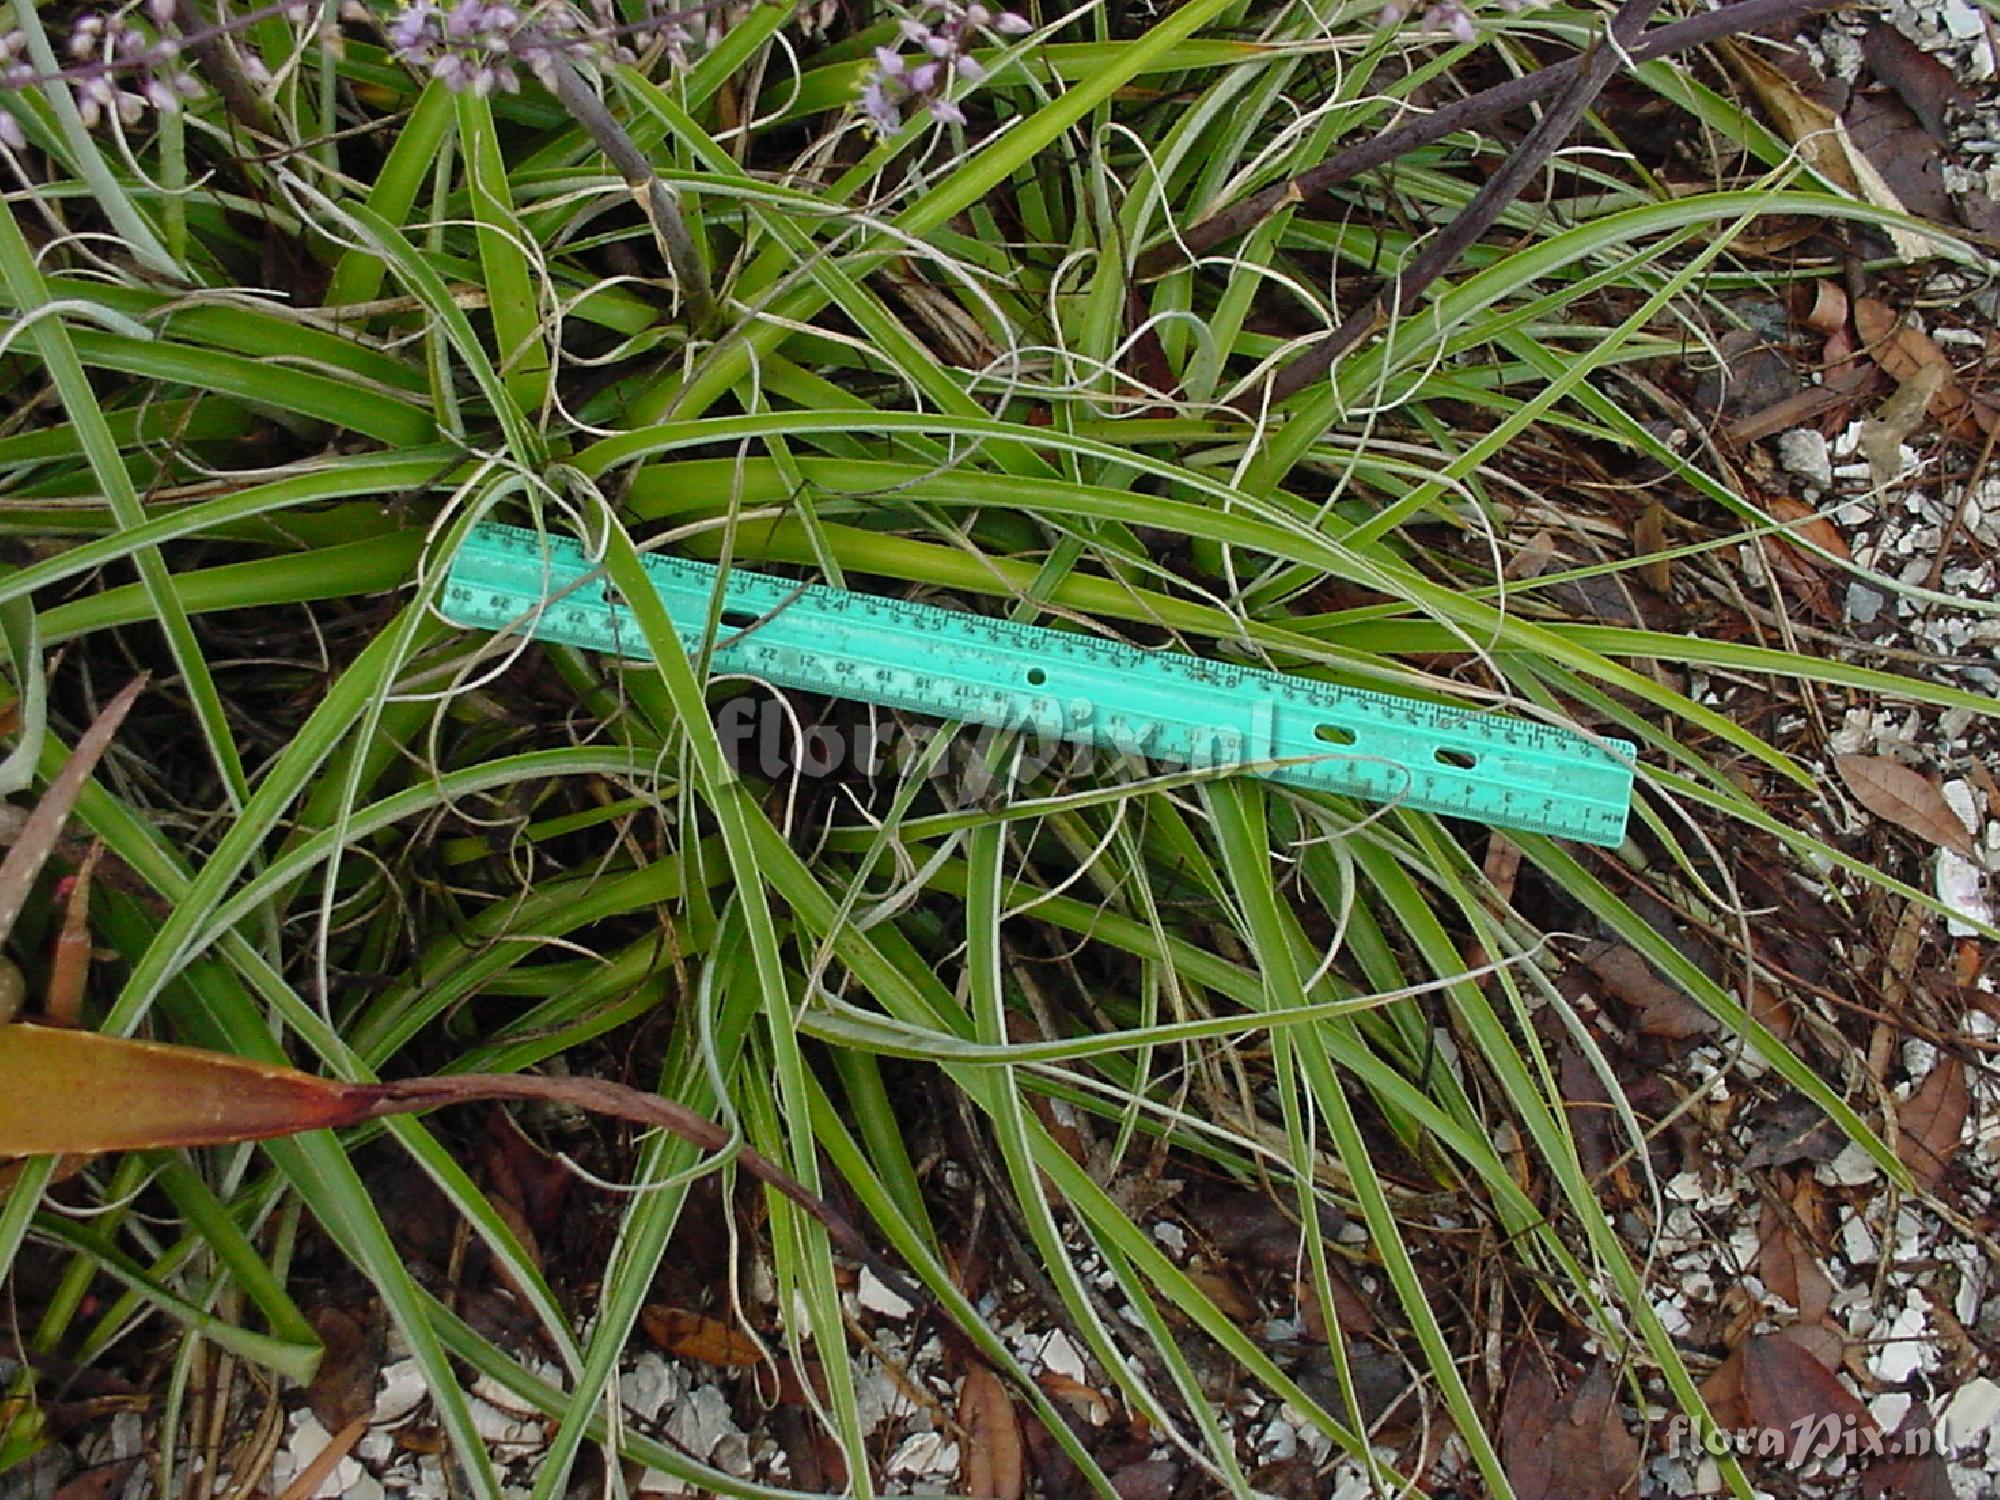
(1489, 104)
(1594, 70)
(657, 203)
(214, 57)
(601, 1096)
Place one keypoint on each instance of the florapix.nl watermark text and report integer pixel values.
(764, 736)
(1793, 1445)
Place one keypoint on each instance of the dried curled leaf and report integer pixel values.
(1891, 790)
(1909, 354)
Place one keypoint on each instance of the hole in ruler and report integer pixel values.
(739, 619)
(1036, 677)
(1333, 734)
(1464, 760)
(613, 598)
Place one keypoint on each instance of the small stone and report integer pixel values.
(1061, 1356)
(1962, 21)
(876, 1296)
(1972, 1412)
(1902, 1346)
(1804, 453)
(1963, 799)
(1889, 1409)
(1864, 604)
(1961, 885)
(1853, 1167)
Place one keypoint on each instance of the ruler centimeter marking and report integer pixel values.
(1161, 705)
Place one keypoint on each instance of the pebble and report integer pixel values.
(1972, 1413)
(876, 1296)
(1903, 1346)
(1804, 453)
(1961, 885)
(1962, 21)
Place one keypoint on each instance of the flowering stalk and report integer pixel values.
(1446, 15)
(117, 66)
(134, 59)
(900, 84)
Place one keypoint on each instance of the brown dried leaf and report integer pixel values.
(1649, 536)
(1806, 522)
(1553, 1449)
(343, 1387)
(1805, 123)
(1085, 1403)
(691, 1335)
(1822, 1341)
(99, 1482)
(38, 835)
(1351, 1312)
(1888, 138)
(1828, 313)
(1772, 1011)
(1229, 1297)
(1931, 1126)
(1663, 1009)
(1790, 1269)
(70, 968)
(1786, 1388)
(1911, 1475)
(1822, 141)
(1926, 86)
(1793, 1128)
(1904, 353)
(995, 1463)
(1722, 1393)
(1146, 1479)
(1891, 790)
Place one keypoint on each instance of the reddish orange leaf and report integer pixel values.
(79, 1091)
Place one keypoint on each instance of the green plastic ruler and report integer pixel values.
(1161, 705)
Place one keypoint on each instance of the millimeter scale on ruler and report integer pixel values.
(1164, 706)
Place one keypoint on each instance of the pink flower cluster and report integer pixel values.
(477, 45)
(1446, 15)
(117, 66)
(899, 83)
